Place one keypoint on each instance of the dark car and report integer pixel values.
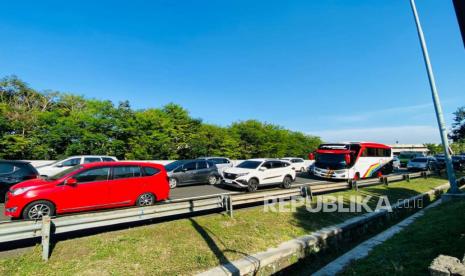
(13, 172)
(458, 161)
(186, 172)
(441, 161)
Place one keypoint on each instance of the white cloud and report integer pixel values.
(415, 134)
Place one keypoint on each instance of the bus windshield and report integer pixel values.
(331, 161)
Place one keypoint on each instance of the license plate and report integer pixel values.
(229, 181)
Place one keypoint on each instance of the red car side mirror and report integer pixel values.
(311, 156)
(71, 182)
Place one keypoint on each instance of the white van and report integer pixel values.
(61, 165)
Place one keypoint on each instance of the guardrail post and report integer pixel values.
(385, 181)
(230, 206)
(406, 177)
(303, 191)
(46, 227)
(354, 184)
(224, 202)
(310, 192)
(425, 175)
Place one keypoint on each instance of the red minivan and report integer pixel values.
(88, 187)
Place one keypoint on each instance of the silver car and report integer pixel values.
(221, 163)
(428, 163)
(396, 162)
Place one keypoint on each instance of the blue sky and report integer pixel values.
(344, 70)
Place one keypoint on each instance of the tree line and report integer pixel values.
(51, 125)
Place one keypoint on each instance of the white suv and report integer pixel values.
(259, 172)
(61, 165)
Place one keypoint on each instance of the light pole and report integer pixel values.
(437, 105)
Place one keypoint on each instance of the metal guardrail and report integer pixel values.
(16, 231)
(20, 230)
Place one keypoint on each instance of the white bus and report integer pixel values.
(354, 160)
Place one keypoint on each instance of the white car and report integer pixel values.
(396, 163)
(298, 164)
(253, 173)
(221, 163)
(61, 165)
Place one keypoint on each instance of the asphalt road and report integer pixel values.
(205, 190)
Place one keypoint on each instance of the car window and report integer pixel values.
(216, 160)
(249, 164)
(285, 164)
(126, 172)
(211, 164)
(24, 170)
(92, 159)
(298, 160)
(419, 160)
(71, 162)
(94, 174)
(277, 164)
(202, 165)
(7, 168)
(267, 165)
(108, 159)
(149, 171)
(191, 166)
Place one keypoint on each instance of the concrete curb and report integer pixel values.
(288, 253)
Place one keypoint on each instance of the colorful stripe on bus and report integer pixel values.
(372, 169)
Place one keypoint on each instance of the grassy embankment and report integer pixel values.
(440, 231)
(191, 245)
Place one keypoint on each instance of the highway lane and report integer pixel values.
(206, 190)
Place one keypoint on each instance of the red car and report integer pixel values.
(89, 187)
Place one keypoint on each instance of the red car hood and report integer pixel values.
(32, 183)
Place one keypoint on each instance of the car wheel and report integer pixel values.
(38, 209)
(146, 199)
(212, 180)
(252, 185)
(173, 183)
(287, 182)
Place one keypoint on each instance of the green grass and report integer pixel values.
(440, 231)
(186, 246)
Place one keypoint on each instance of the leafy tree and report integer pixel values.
(458, 147)
(458, 126)
(434, 148)
(51, 125)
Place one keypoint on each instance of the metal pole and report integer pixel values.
(437, 105)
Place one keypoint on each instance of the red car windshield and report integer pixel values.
(64, 173)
